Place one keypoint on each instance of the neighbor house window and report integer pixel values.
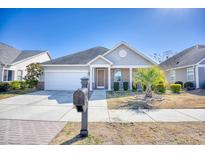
(117, 75)
(19, 75)
(190, 74)
(8, 75)
(172, 76)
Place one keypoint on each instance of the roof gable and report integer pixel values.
(8, 53)
(124, 55)
(100, 60)
(132, 49)
(27, 54)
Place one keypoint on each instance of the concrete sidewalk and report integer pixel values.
(57, 106)
(98, 112)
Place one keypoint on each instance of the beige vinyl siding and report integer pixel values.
(180, 75)
(201, 77)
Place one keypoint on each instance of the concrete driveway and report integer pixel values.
(41, 105)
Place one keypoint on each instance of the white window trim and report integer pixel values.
(21, 75)
(114, 74)
(7, 75)
(188, 73)
(173, 74)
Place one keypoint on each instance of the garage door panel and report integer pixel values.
(63, 80)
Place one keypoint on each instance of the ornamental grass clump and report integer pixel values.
(150, 77)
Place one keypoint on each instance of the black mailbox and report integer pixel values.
(80, 99)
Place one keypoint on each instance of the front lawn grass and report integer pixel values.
(13, 93)
(194, 99)
(134, 133)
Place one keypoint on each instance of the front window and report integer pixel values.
(19, 75)
(8, 75)
(190, 74)
(172, 76)
(118, 75)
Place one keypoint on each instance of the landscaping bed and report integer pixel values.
(194, 99)
(134, 133)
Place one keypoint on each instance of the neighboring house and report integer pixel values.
(103, 67)
(13, 62)
(188, 65)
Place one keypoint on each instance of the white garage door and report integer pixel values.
(63, 80)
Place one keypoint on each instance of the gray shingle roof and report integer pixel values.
(82, 57)
(9, 54)
(26, 54)
(189, 56)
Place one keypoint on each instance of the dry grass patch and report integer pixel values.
(181, 101)
(134, 133)
(192, 100)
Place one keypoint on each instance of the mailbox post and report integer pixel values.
(80, 100)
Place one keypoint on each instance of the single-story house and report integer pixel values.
(188, 65)
(103, 66)
(13, 62)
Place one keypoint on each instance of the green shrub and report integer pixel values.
(15, 85)
(32, 83)
(4, 86)
(175, 88)
(144, 87)
(134, 86)
(180, 82)
(189, 85)
(116, 86)
(23, 85)
(160, 88)
(125, 86)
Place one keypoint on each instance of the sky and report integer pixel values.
(65, 31)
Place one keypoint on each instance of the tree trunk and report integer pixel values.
(148, 92)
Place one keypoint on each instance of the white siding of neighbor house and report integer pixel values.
(132, 57)
(1, 73)
(180, 75)
(36, 59)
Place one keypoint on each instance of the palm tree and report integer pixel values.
(149, 77)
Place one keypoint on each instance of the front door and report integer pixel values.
(100, 78)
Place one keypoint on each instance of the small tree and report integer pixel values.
(34, 71)
(150, 77)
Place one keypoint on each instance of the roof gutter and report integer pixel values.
(64, 64)
(180, 67)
